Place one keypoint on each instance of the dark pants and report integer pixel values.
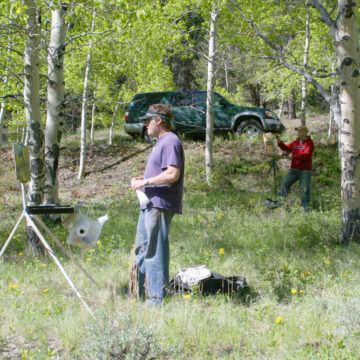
(293, 175)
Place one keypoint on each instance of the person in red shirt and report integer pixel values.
(301, 150)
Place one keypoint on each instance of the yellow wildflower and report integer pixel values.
(327, 262)
(99, 242)
(89, 259)
(187, 297)
(285, 268)
(279, 319)
(43, 265)
(301, 292)
(302, 276)
(220, 216)
(199, 216)
(308, 273)
(294, 291)
(222, 251)
(20, 254)
(45, 291)
(208, 253)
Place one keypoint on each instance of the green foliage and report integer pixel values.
(119, 336)
(292, 260)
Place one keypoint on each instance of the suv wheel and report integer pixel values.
(250, 128)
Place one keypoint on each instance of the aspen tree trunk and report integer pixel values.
(3, 103)
(347, 46)
(292, 106)
(210, 96)
(55, 103)
(32, 112)
(111, 133)
(92, 120)
(345, 33)
(306, 56)
(2, 116)
(84, 105)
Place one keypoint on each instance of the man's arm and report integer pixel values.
(282, 145)
(168, 176)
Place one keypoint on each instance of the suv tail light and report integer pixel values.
(126, 116)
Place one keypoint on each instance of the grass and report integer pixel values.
(303, 296)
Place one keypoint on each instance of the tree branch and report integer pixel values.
(89, 33)
(325, 17)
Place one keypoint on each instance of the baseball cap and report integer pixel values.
(302, 127)
(151, 113)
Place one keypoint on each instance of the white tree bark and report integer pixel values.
(306, 57)
(347, 41)
(32, 102)
(210, 96)
(345, 32)
(3, 103)
(2, 116)
(92, 120)
(35, 141)
(111, 133)
(55, 103)
(84, 105)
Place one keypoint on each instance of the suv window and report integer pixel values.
(147, 99)
(181, 99)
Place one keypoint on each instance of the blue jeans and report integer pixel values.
(152, 253)
(293, 175)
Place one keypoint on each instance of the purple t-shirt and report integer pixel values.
(167, 152)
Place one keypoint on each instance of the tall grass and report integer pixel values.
(303, 296)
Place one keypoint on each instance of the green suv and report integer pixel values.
(189, 109)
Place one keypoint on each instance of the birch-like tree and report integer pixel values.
(84, 104)
(306, 58)
(32, 111)
(345, 33)
(6, 78)
(55, 102)
(277, 48)
(32, 101)
(210, 95)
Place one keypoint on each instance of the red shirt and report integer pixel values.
(301, 153)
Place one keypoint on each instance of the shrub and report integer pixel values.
(118, 337)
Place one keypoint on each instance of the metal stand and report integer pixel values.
(32, 219)
(22, 167)
(274, 168)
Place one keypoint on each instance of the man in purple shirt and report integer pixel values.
(163, 184)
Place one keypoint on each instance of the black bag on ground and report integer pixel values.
(214, 284)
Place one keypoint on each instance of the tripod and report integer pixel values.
(30, 213)
(274, 168)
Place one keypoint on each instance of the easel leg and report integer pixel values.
(11, 235)
(47, 247)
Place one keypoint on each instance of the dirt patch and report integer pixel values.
(109, 168)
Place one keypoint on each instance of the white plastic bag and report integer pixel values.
(85, 231)
(142, 197)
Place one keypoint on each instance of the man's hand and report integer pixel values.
(277, 137)
(137, 182)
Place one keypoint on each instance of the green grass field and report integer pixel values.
(302, 300)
